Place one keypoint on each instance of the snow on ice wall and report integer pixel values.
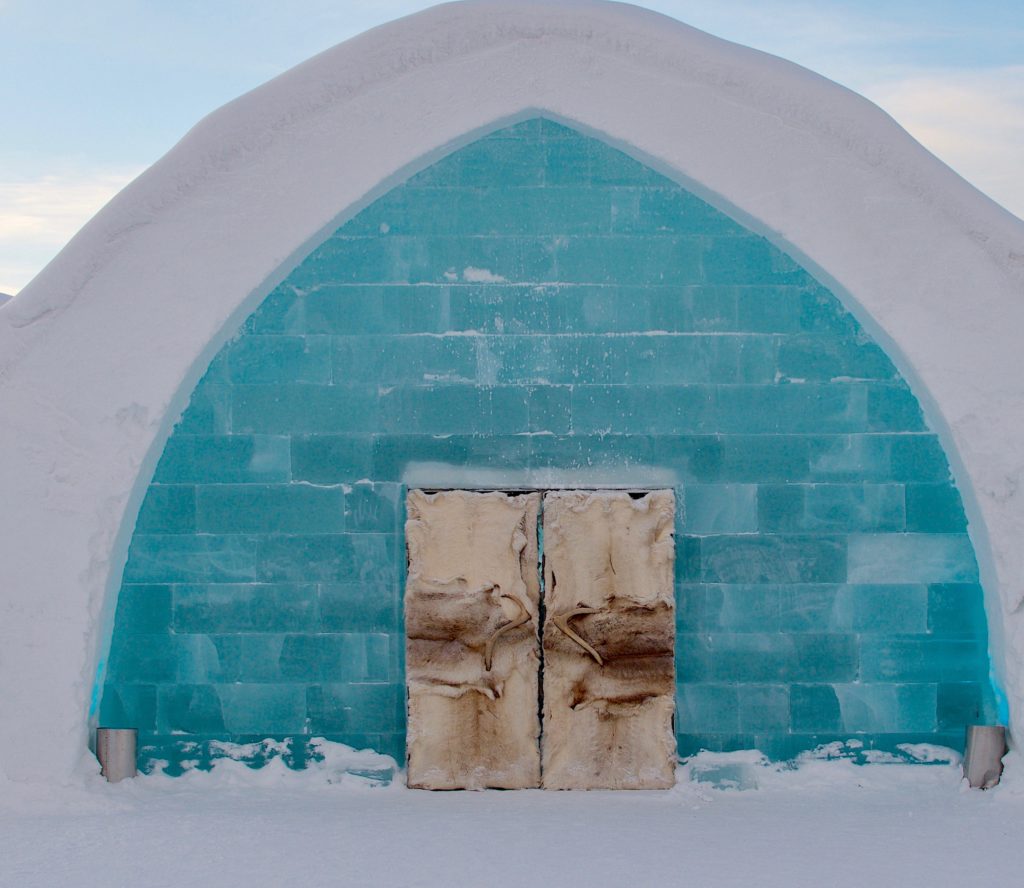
(540, 306)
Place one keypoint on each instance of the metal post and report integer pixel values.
(983, 757)
(115, 748)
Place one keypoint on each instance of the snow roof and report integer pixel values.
(99, 352)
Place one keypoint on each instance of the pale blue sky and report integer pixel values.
(92, 93)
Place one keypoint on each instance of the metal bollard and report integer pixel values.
(115, 748)
(983, 756)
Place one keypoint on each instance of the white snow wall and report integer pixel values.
(145, 295)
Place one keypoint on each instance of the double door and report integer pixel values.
(561, 677)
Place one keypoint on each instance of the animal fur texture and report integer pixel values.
(472, 648)
(609, 639)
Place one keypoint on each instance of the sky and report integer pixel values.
(93, 93)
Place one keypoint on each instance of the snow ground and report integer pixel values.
(827, 823)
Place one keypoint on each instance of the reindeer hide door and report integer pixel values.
(609, 637)
(472, 650)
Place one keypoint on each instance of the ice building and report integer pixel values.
(461, 280)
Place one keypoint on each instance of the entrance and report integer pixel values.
(513, 682)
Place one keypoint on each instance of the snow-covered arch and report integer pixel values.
(99, 353)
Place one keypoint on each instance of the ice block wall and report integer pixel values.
(539, 305)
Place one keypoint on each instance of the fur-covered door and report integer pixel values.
(473, 657)
(609, 641)
(472, 650)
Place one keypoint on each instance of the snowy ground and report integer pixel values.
(828, 823)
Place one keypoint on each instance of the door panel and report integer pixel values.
(472, 651)
(609, 638)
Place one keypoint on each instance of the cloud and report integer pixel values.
(55, 206)
(39, 215)
(972, 119)
(954, 80)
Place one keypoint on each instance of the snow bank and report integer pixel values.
(266, 762)
(99, 353)
(833, 763)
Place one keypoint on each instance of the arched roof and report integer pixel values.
(99, 353)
